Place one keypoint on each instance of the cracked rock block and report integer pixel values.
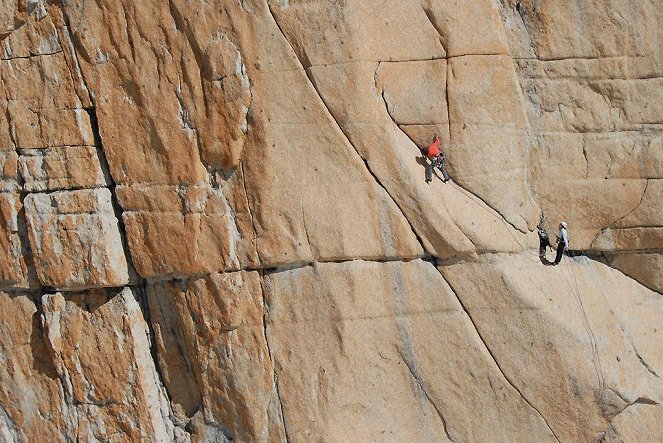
(489, 144)
(556, 338)
(388, 352)
(604, 104)
(648, 214)
(191, 102)
(642, 421)
(8, 171)
(629, 239)
(75, 239)
(214, 358)
(607, 29)
(46, 128)
(348, 92)
(646, 268)
(596, 124)
(396, 164)
(99, 346)
(13, 269)
(474, 28)
(426, 81)
(581, 186)
(40, 83)
(6, 138)
(12, 13)
(37, 36)
(32, 404)
(299, 224)
(186, 230)
(61, 168)
(227, 91)
(335, 33)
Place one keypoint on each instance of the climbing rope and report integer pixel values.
(575, 290)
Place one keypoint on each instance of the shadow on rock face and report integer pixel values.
(42, 362)
(543, 258)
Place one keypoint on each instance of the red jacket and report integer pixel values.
(434, 149)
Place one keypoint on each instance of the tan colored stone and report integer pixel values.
(8, 171)
(50, 127)
(488, 146)
(226, 85)
(649, 212)
(214, 357)
(6, 138)
(553, 30)
(282, 135)
(75, 239)
(330, 33)
(646, 268)
(108, 394)
(629, 239)
(68, 167)
(557, 336)
(34, 38)
(642, 421)
(425, 80)
(187, 230)
(13, 269)
(10, 15)
(32, 405)
(332, 182)
(396, 162)
(473, 28)
(40, 83)
(596, 203)
(154, 88)
(576, 105)
(388, 353)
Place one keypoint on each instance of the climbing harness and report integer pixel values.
(544, 238)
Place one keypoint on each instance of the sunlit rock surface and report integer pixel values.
(215, 225)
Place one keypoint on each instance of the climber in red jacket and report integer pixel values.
(437, 160)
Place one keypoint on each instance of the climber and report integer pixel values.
(562, 242)
(437, 160)
(544, 239)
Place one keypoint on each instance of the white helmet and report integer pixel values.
(563, 224)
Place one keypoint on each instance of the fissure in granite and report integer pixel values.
(578, 178)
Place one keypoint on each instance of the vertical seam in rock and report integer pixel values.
(275, 379)
(449, 74)
(345, 136)
(248, 208)
(72, 48)
(476, 329)
(584, 154)
(111, 186)
(144, 304)
(21, 221)
(425, 392)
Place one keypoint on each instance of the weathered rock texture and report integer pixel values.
(215, 226)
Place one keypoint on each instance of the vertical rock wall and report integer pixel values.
(215, 227)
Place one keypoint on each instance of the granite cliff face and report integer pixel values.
(215, 226)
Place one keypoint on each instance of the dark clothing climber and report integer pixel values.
(562, 242)
(437, 160)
